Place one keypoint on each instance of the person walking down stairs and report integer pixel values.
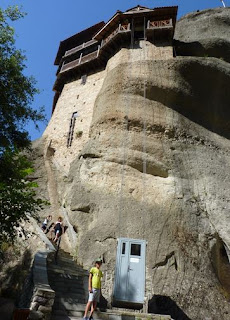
(95, 276)
(58, 229)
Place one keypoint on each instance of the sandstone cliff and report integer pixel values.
(155, 165)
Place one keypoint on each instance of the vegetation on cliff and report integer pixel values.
(17, 193)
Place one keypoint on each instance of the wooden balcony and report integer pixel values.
(121, 29)
(161, 24)
(81, 47)
(160, 30)
(83, 59)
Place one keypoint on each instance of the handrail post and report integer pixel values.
(63, 63)
(98, 50)
(148, 24)
(80, 59)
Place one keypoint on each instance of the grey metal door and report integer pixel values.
(129, 283)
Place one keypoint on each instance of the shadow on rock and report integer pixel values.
(165, 305)
(102, 305)
(12, 283)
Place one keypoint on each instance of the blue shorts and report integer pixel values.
(95, 295)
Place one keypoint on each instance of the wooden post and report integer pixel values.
(145, 29)
(98, 50)
(148, 24)
(132, 34)
(80, 59)
(62, 66)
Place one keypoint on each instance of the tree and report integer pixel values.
(16, 90)
(17, 193)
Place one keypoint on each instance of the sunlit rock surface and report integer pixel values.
(155, 165)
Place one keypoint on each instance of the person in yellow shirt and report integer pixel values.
(95, 276)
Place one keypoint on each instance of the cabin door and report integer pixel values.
(130, 271)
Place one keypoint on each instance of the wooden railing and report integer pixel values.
(89, 57)
(160, 24)
(93, 55)
(80, 47)
(69, 65)
(121, 28)
(81, 60)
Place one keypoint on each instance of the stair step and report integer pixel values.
(70, 306)
(68, 291)
(65, 262)
(111, 316)
(78, 307)
(73, 296)
(74, 288)
(66, 284)
(71, 272)
(63, 269)
(69, 313)
(65, 280)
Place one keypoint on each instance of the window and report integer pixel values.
(71, 128)
(123, 248)
(135, 249)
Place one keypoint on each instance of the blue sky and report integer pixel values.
(50, 21)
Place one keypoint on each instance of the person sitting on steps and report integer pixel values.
(95, 276)
(45, 223)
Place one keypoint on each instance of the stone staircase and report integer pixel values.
(68, 280)
(70, 283)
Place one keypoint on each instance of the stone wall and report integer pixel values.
(75, 97)
(43, 296)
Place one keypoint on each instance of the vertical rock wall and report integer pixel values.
(153, 164)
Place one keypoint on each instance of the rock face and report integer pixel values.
(204, 34)
(155, 165)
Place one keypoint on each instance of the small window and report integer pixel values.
(135, 249)
(123, 248)
(71, 128)
(83, 79)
